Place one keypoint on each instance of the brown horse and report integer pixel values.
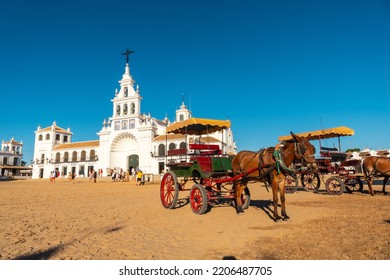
(271, 166)
(376, 166)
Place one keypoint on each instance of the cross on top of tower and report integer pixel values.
(127, 54)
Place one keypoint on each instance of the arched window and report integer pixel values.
(40, 137)
(117, 125)
(92, 155)
(183, 145)
(181, 118)
(48, 136)
(74, 156)
(126, 91)
(83, 155)
(66, 157)
(172, 146)
(57, 157)
(57, 137)
(65, 138)
(132, 108)
(161, 150)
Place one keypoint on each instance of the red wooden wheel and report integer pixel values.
(291, 184)
(310, 181)
(334, 186)
(198, 199)
(169, 190)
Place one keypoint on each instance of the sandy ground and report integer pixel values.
(115, 221)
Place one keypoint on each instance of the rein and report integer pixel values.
(282, 166)
(280, 163)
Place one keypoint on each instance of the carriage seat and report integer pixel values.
(327, 152)
(176, 152)
(206, 149)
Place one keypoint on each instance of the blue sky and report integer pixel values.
(271, 67)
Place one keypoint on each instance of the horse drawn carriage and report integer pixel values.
(219, 178)
(328, 162)
(203, 164)
(346, 177)
(350, 174)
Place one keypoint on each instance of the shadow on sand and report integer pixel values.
(265, 206)
(49, 253)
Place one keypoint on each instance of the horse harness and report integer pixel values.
(374, 171)
(266, 169)
(299, 152)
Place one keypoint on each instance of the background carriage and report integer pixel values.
(328, 162)
(347, 176)
(200, 168)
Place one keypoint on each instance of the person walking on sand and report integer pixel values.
(139, 177)
(91, 175)
(73, 177)
(94, 176)
(52, 177)
(134, 175)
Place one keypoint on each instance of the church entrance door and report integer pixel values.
(133, 162)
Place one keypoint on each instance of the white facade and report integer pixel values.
(128, 139)
(11, 153)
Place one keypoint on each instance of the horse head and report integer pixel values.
(305, 151)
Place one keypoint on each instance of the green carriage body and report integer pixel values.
(203, 167)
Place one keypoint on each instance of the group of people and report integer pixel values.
(93, 174)
(119, 175)
(136, 175)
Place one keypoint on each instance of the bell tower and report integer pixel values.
(183, 113)
(127, 101)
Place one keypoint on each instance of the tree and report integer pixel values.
(352, 150)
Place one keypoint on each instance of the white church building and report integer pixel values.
(128, 139)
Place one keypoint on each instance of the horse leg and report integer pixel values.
(384, 184)
(275, 188)
(282, 191)
(238, 189)
(369, 183)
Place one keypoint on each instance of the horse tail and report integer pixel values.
(364, 168)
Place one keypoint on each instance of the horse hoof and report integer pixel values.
(277, 220)
(240, 212)
(286, 219)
